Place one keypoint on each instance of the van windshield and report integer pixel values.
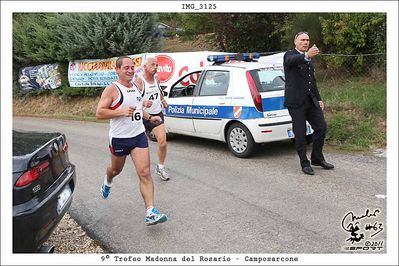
(268, 79)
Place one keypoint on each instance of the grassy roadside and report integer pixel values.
(50, 106)
(355, 113)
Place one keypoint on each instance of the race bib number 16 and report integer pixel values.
(136, 116)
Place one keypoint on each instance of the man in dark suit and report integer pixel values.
(304, 103)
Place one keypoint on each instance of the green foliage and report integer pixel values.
(250, 32)
(195, 23)
(353, 33)
(42, 38)
(341, 33)
(237, 32)
(294, 23)
(355, 110)
(34, 39)
(105, 35)
(171, 19)
(366, 96)
(66, 92)
(356, 132)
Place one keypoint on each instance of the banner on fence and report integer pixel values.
(171, 66)
(96, 72)
(101, 72)
(40, 77)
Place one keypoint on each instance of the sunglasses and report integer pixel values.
(299, 33)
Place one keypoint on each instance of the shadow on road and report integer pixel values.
(262, 150)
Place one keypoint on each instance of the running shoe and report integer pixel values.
(155, 217)
(162, 174)
(105, 190)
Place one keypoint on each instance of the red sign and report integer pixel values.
(166, 67)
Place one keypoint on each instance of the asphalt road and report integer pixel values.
(218, 203)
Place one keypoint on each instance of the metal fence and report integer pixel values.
(339, 67)
(335, 67)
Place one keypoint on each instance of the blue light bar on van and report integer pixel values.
(227, 57)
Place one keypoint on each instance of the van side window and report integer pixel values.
(185, 86)
(215, 83)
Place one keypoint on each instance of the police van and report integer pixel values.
(236, 100)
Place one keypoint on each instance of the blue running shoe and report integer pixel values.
(155, 217)
(105, 190)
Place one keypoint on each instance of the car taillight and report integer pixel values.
(254, 92)
(65, 147)
(32, 174)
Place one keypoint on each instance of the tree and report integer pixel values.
(104, 35)
(236, 32)
(34, 38)
(296, 22)
(354, 33)
(171, 19)
(249, 32)
(41, 38)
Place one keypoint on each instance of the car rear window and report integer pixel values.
(268, 79)
(28, 142)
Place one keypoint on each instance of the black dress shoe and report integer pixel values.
(308, 170)
(323, 164)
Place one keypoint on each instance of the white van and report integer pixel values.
(236, 100)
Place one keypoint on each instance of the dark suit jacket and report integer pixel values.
(299, 79)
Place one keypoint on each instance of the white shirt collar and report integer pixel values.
(300, 51)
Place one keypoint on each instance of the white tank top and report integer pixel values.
(122, 126)
(152, 92)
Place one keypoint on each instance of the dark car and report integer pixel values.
(43, 184)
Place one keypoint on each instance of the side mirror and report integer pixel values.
(165, 93)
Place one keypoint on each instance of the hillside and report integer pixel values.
(200, 43)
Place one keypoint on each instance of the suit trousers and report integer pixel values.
(311, 112)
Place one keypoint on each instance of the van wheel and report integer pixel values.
(240, 141)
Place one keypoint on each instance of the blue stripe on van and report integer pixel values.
(273, 104)
(224, 112)
(211, 112)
